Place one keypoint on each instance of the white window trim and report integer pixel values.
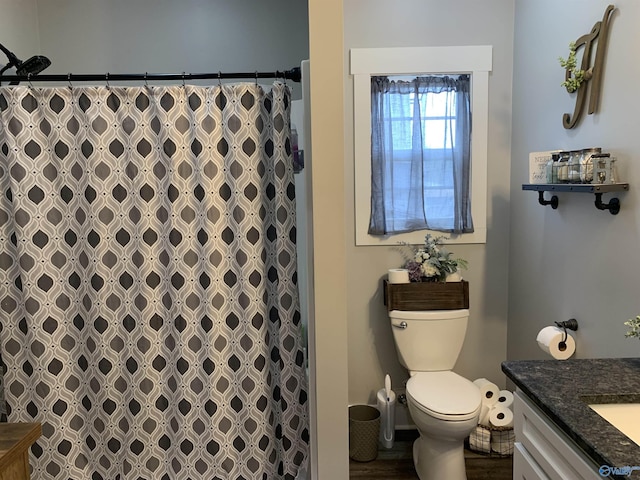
(368, 62)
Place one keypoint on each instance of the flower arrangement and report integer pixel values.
(634, 327)
(431, 261)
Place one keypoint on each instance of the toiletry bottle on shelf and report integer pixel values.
(573, 172)
(604, 168)
(551, 168)
(563, 168)
(586, 164)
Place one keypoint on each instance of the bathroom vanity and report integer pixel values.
(558, 434)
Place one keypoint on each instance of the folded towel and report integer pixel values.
(480, 439)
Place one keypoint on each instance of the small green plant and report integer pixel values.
(577, 75)
(634, 327)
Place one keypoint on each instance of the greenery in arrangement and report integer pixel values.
(634, 327)
(431, 261)
(577, 75)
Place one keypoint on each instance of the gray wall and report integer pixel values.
(377, 23)
(576, 261)
(19, 28)
(164, 36)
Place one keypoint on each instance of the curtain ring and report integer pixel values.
(146, 83)
(106, 79)
(183, 74)
(29, 79)
(69, 80)
(219, 78)
(256, 78)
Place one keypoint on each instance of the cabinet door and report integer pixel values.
(525, 467)
(556, 454)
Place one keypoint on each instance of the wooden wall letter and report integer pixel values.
(593, 75)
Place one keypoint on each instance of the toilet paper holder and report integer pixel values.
(571, 324)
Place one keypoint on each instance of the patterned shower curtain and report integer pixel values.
(148, 296)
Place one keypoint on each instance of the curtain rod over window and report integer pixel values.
(294, 75)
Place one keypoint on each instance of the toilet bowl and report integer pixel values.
(445, 408)
(444, 405)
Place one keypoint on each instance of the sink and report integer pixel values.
(623, 412)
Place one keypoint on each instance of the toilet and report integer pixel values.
(444, 406)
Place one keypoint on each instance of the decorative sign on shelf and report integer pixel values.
(537, 166)
(588, 76)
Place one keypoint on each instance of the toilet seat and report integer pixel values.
(444, 395)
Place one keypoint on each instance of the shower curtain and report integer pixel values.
(148, 297)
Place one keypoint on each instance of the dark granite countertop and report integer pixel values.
(564, 389)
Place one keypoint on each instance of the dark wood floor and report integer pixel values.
(397, 463)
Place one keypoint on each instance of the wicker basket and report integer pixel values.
(493, 441)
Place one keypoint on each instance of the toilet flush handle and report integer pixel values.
(402, 325)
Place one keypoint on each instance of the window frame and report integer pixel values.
(367, 62)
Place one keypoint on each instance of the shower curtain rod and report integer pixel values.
(294, 75)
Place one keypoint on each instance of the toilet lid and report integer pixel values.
(444, 394)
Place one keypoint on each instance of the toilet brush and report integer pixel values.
(386, 404)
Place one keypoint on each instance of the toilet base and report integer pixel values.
(437, 460)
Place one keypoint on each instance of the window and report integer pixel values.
(420, 154)
(474, 61)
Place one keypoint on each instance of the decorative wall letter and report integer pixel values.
(592, 74)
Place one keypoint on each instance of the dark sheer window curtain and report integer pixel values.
(420, 155)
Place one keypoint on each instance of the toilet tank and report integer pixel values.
(429, 340)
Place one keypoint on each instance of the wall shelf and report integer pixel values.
(597, 189)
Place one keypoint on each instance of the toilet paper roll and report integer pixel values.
(500, 416)
(505, 398)
(398, 275)
(488, 390)
(483, 419)
(550, 341)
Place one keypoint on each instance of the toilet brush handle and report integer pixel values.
(389, 427)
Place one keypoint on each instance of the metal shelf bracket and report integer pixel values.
(553, 201)
(613, 206)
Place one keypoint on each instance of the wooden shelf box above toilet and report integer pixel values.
(426, 295)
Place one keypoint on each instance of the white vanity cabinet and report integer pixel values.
(542, 451)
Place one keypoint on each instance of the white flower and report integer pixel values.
(429, 270)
